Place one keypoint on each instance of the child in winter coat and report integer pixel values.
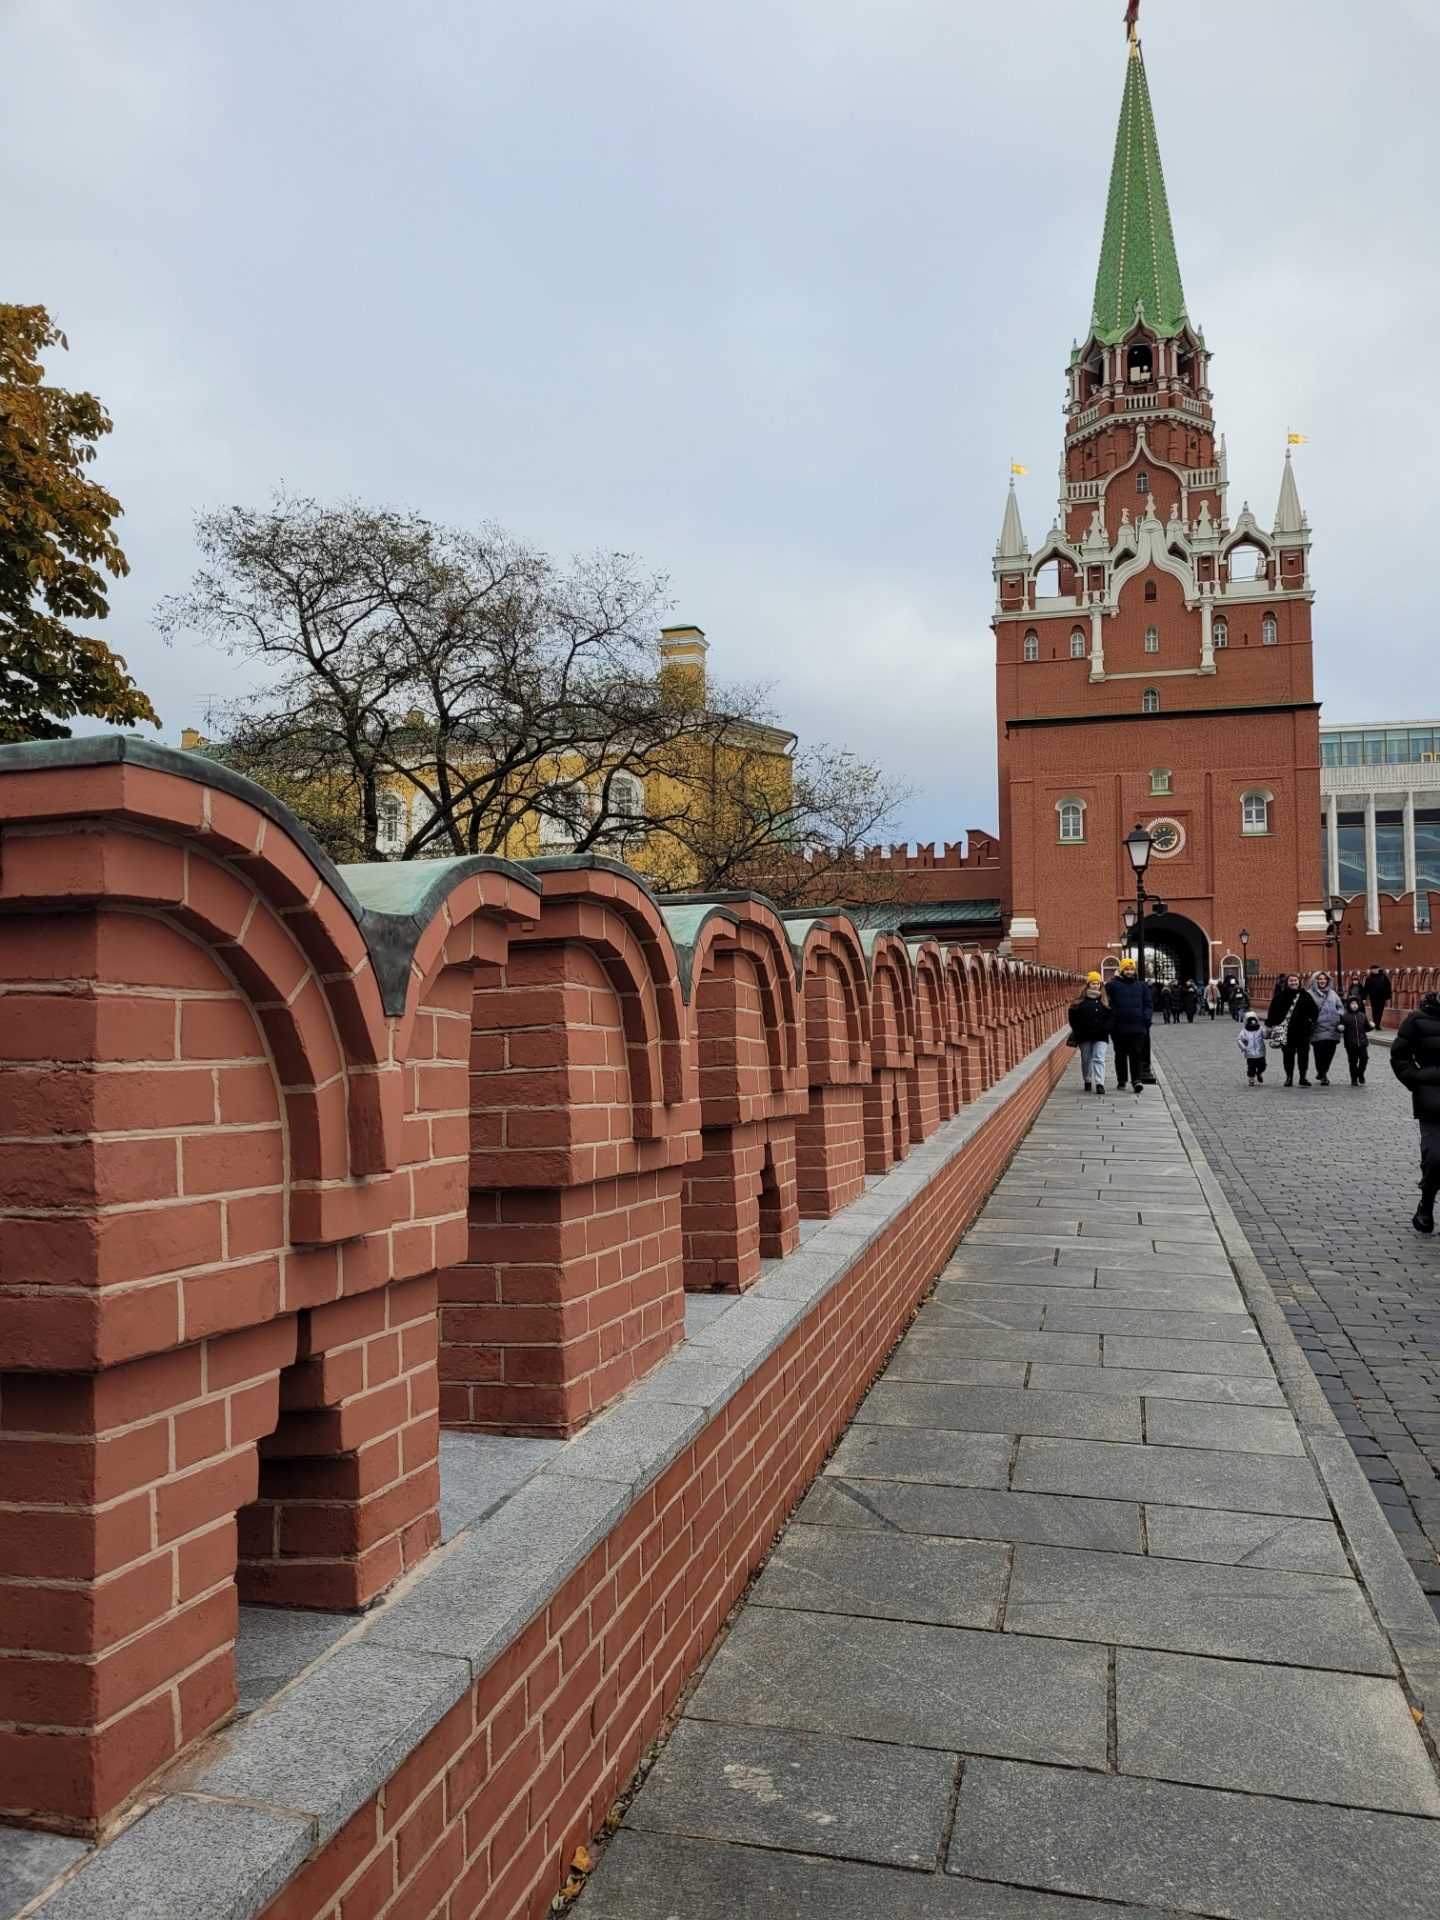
(1251, 1042)
(1355, 1032)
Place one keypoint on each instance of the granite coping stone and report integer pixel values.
(187, 1859)
(326, 1740)
(323, 1747)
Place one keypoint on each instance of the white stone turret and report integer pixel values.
(1288, 517)
(1012, 545)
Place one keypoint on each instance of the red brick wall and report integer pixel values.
(481, 1819)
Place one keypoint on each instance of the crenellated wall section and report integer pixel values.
(302, 1164)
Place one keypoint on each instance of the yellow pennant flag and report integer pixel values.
(1297, 439)
(1015, 467)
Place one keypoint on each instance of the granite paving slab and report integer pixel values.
(949, 1583)
(1229, 1388)
(808, 1792)
(1244, 1540)
(1192, 1850)
(1000, 1410)
(974, 1514)
(1342, 1737)
(1223, 1429)
(1113, 1590)
(1174, 1476)
(918, 1686)
(1236, 1612)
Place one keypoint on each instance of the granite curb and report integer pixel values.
(1403, 1612)
(238, 1818)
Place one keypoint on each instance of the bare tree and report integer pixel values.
(799, 838)
(464, 667)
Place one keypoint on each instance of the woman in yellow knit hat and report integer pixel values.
(1090, 1024)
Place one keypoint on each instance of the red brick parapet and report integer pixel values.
(301, 1162)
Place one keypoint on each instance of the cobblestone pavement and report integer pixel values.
(1066, 1619)
(1323, 1182)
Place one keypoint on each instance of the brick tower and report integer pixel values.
(1152, 657)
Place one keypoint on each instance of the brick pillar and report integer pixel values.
(582, 1117)
(569, 1295)
(830, 1151)
(349, 1477)
(117, 1554)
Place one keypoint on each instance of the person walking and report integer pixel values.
(1354, 1031)
(1190, 999)
(1090, 1023)
(1212, 998)
(1162, 1001)
(1251, 1042)
(1291, 1020)
(1325, 1034)
(1378, 993)
(1415, 1062)
(1132, 1003)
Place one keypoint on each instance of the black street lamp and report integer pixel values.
(1244, 967)
(1335, 914)
(1139, 845)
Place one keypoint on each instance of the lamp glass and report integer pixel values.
(1128, 916)
(1138, 845)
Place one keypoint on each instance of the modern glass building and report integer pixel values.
(1380, 825)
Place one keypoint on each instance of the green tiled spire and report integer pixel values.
(1137, 258)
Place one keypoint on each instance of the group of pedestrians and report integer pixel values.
(1310, 1020)
(1119, 1014)
(1306, 1020)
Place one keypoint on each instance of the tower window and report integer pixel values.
(1032, 646)
(1152, 592)
(1255, 812)
(1139, 364)
(1072, 819)
(1270, 631)
(1150, 700)
(1142, 483)
(1160, 780)
(1077, 644)
(1220, 633)
(1152, 639)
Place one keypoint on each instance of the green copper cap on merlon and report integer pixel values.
(1138, 262)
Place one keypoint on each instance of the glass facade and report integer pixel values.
(1380, 747)
(1389, 857)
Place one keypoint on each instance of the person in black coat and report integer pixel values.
(1293, 1003)
(1377, 992)
(1415, 1062)
(1132, 1002)
(1191, 998)
(1090, 1022)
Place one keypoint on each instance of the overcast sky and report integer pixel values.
(768, 292)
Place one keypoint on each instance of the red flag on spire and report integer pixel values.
(1132, 17)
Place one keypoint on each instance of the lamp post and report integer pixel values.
(1244, 966)
(1335, 914)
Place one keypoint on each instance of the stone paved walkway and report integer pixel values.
(1323, 1183)
(1065, 1620)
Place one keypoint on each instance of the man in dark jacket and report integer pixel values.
(1133, 1004)
(1415, 1062)
(1377, 992)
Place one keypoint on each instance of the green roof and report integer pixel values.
(1138, 262)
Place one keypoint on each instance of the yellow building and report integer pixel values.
(679, 812)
